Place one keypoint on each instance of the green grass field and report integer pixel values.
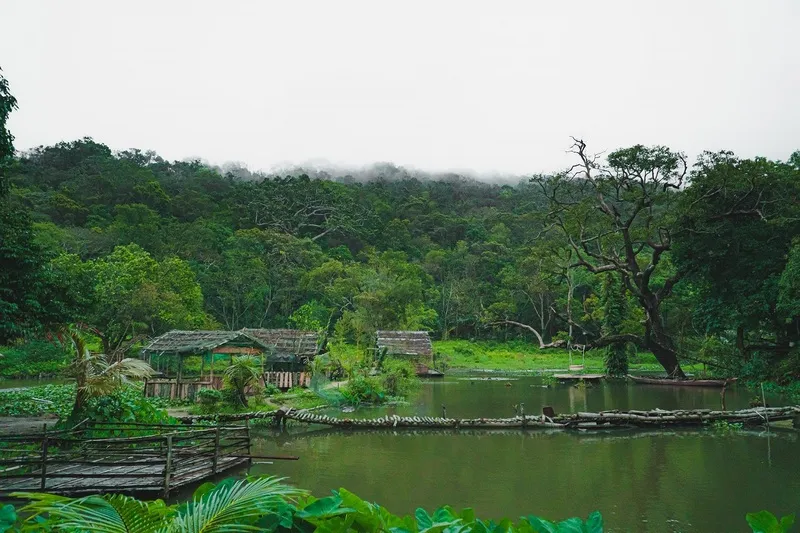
(522, 356)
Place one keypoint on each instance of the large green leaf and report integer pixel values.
(8, 517)
(424, 520)
(766, 522)
(326, 507)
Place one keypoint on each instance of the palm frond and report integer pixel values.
(103, 377)
(233, 508)
(95, 514)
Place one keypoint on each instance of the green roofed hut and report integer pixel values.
(415, 346)
(284, 352)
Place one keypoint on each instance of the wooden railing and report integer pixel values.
(150, 458)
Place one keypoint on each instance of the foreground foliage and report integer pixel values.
(266, 504)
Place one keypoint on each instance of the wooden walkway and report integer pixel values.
(159, 460)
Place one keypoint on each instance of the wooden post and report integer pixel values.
(45, 445)
(212, 370)
(168, 466)
(722, 394)
(216, 451)
(249, 441)
(180, 373)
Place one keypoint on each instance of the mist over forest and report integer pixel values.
(638, 248)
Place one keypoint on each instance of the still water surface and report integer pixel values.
(699, 481)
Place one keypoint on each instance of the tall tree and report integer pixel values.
(738, 220)
(615, 216)
(7, 104)
(24, 282)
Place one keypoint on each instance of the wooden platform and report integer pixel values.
(578, 377)
(158, 461)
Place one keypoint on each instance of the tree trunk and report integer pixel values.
(658, 341)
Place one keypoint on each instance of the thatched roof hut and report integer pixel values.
(413, 345)
(408, 343)
(286, 344)
(178, 342)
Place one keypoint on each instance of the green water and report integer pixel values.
(645, 481)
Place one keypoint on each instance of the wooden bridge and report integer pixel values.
(154, 459)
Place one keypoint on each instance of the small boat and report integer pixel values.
(681, 382)
(578, 377)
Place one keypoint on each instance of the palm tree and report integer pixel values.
(230, 507)
(242, 373)
(98, 374)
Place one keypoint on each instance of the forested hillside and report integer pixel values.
(639, 248)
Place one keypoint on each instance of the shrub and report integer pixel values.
(399, 378)
(209, 397)
(362, 389)
(127, 404)
(271, 389)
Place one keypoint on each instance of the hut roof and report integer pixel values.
(286, 341)
(405, 342)
(178, 341)
(282, 344)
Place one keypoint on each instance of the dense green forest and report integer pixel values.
(637, 248)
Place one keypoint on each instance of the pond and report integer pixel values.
(680, 480)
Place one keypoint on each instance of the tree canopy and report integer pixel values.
(637, 247)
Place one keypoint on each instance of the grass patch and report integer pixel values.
(298, 398)
(523, 356)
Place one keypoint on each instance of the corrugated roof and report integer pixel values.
(287, 341)
(405, 342)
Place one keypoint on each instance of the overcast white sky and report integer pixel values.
(486, 86)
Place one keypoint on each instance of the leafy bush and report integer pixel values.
(127, 404)
(398, 377)
(209, 397)
(270, 389)
(362, 389)
(32, 359)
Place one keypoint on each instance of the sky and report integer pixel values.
(485, 87)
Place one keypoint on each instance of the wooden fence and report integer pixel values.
(287, 380)
(183, 390)
(151, 459)
(187, 389)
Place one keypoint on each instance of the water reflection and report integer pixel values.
(676, 480)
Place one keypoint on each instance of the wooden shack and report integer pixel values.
(205, 344)
(288, 355)
(284, 353)
(413, 345)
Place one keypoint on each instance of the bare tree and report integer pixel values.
(616, 218)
